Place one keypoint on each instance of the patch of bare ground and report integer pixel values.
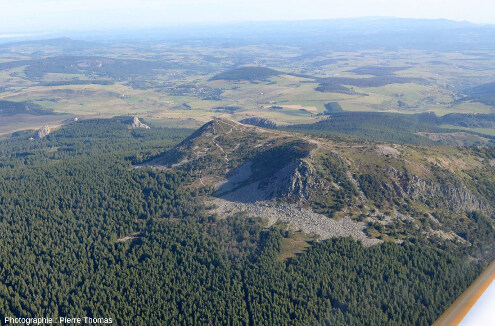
(384, 150)
(297, 243)
(130, 237)
(418, 168)
(452, 163)
(447, 236)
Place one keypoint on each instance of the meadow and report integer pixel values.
(174, 84)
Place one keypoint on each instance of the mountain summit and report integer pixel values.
(371, 191)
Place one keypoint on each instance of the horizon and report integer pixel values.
(251, 164)
(56, 16)
(117, 33)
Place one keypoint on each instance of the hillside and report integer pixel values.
(8, 108)
(181, 244)
(484, 93)
(339, 84)
(419, 129)
(371, 191)
(118, 69)
(247, 73)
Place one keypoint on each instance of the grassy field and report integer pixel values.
(484, 131)
(26, 122)
(297, 243)
(154, 95)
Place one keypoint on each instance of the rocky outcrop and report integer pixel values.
(138, 124)
(295, 184)
(43, 132)
(388, 151)
(259, 122)
(453, 194)
(301, 179)
(322, 186)
(456, 197)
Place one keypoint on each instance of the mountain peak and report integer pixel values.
(283, 176)
(229, 140)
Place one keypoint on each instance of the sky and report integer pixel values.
(482, 311)
(37, 16)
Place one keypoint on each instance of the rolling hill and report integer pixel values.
(247, 73)
(484, 93)
(9, 108)
(228, 226)
(402, 191)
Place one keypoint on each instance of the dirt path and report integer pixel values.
(218, 145)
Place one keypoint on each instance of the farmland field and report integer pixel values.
(172, 83)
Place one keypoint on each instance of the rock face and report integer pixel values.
(138, 124)
(457, 197)
(305, 181)
(43, 132)
(454, 194)
(259, 122)
(294, 181)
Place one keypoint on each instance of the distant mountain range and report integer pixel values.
(343, 34)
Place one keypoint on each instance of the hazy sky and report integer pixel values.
(21, 16)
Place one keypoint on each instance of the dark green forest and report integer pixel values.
(484, 93)
(68, 201)
(90, 65)
(336, 84)
(377, 70)
(247, 73)
(392, 127)
(9, 108)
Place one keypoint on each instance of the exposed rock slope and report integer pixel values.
(138, 124)
(308, 181)
(43, 132)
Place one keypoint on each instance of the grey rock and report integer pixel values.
(259, 122)
(138, 124)
(43, 131)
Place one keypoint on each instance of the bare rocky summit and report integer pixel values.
(326, 188)
(43, 131)
(138, 124)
